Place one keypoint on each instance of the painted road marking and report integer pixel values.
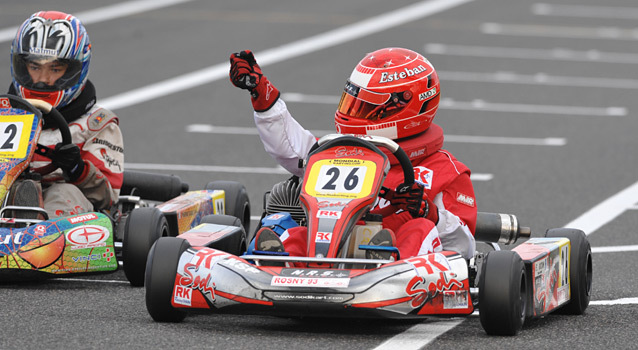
(285, 52)
(546, 31)
(548, 141)
(482, 105)
(585, 11)
(606, 211)
(556, 54)
(106, 13)
(542, 79)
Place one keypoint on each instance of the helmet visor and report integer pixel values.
(360, 103)
(46, 73)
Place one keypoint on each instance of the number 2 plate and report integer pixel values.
(14, 135)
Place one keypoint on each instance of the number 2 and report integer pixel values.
(12, 130)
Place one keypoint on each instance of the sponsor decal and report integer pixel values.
(182, 295)
(108, 144)
(421, 289)
(315, 273)
(6, 238)
(4, 102)
(237, 264)
(424, 175)
(86, 258)
(329, 214)
(197, 273)
(323, 237)
(412, 124)
(87, 236)
(455, 299)
(82, 218)
(345, 152)
(327, 204)
(40, 230)
(465, 199)
(427, 95)
(390, 77)
(43, 51)
(111, 162)
(275, 217)
(314, 297)
(309, 282)
(417, 153)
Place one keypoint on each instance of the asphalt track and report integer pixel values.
(539, 101)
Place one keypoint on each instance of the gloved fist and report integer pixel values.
(414, 200)
(68, 158)
(246, 74)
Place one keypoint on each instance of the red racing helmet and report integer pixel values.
(392, 92)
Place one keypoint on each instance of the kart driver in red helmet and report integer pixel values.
(392, 92)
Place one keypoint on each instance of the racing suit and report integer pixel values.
(96, 131)
(445, 179)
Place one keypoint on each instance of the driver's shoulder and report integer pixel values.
(96, 119)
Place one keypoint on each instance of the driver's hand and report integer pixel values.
(246, 74)
(414, 200)
(68, 158)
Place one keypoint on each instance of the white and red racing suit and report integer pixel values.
(446, 180)
(99, 137)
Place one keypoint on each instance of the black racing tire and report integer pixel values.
(503, 293)
(228, 220)
(161, 269)
(143, 227)
(580, 270)
(237, 201)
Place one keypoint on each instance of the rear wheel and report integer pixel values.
(161, 270)
(580, 270)
(237, 201)
(502, 293)
(143, 227)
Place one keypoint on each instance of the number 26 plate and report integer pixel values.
(341, 178)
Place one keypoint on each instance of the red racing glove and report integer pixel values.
(246, 74)
(414, 200)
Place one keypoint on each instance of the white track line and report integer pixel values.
(548, 141)
(106, 13)
(542, 79)
(606, 211)
(556, 54)
(615, 249)
(546, 31)
(285, 52)
(584, 11)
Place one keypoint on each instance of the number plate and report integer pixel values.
(341, 178)
(14, 135)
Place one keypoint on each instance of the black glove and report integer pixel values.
(68, 158)
(246, 74)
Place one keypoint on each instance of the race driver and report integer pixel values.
(392, 92)
(50, 58)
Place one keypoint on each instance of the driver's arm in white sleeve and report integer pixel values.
(283, 137)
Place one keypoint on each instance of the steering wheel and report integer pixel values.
(371, 142)
(63, 127)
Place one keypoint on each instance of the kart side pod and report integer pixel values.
(499, 228)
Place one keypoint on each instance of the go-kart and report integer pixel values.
(342, 180)
(150, 205)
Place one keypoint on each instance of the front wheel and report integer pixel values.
(502, 293)
(143, 227)
(161, 269)
(580, 270)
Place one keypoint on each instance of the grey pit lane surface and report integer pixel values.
(544, 186)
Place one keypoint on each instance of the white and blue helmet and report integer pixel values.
(48, 36)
